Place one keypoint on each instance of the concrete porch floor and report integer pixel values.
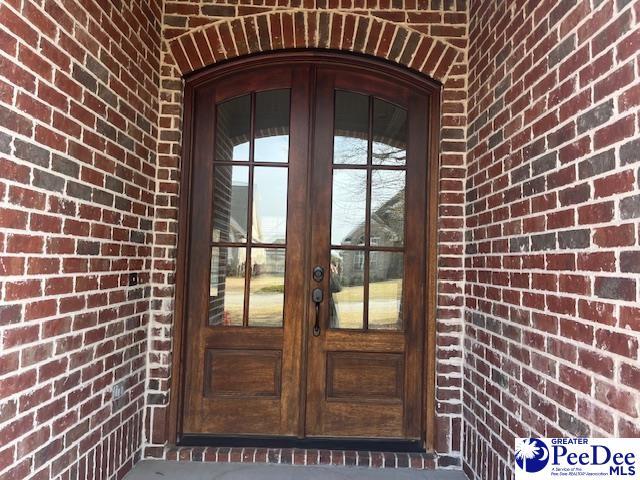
(162, 470)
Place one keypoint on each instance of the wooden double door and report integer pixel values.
(305, 255)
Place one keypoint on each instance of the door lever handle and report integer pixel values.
(317, 296)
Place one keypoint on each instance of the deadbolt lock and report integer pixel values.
(318, 273)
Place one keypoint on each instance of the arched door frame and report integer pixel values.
(198, 81)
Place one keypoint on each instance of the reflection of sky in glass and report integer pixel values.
(351, 128)
(348, 205)
(240, 175)
(270, 202)
(241, 151)
(272, 126)
(272, 149)
(349, 150)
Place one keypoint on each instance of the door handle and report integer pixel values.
(317, 295)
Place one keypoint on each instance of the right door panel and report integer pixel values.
(364, 375)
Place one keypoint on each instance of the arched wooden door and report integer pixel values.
(306, 255)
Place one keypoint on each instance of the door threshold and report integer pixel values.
(320, 443)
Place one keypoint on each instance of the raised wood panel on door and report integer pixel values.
(242, 373)
(375, 377)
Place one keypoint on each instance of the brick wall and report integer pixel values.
(427, 35)
(552, 216)
(79, 91)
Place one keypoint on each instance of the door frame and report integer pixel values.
(350, 60)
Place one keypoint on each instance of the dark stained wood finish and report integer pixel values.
(284, 381)
(204, 411)
(431, 286)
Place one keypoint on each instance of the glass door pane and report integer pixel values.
(233, 129)
(350, 143)
(226, 291)
(385, 290)
(248, 239)
(272, 126)
(349, 207)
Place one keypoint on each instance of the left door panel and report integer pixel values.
(245, 298)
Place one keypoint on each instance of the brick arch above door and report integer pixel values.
(297, 28)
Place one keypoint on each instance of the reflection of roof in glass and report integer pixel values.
(388, 219)
(239, 205)
(239, 202)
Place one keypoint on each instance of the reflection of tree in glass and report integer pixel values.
(384, 154)
(350, 189)
(386, 184)
(350, 150)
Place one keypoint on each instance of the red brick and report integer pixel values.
(14, 219)
(630, 376)
(616, 398)
(23, 289)
(616, 132)
(597, 262)
(145, 84)
(614, 81)
(126, 42)
(597, 312)
(576, 331)
(18, 26)
(17, 383)
(617, 183)
(575, 379)
(630, 318)
(595, 213)
(619, 343)
(44, 308)
(596, 362)
(615, 236)
(575, 284)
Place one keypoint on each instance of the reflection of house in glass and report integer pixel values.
(228, 265)
(387, 229)
(385, 272)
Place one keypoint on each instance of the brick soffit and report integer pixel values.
(303, 28)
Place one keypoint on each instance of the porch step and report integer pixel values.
(161, 469)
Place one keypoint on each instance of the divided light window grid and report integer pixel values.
(248, 239)
(368, 213)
